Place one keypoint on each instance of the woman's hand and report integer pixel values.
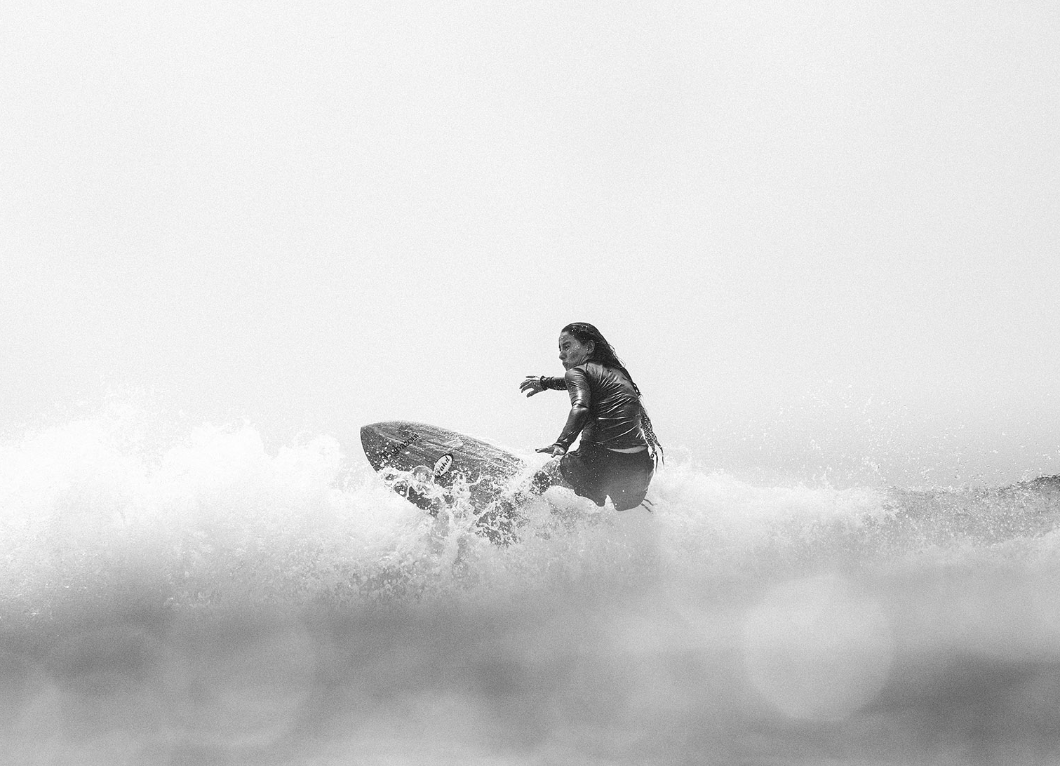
(532, 385)
(555, 449)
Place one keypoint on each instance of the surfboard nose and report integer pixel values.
(373, 442)
(386, 440)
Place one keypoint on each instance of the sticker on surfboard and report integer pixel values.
(445, 462)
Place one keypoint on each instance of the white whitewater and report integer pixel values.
(203, 599)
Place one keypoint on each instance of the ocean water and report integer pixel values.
(200, 598)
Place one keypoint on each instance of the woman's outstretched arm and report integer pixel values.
(535, 384)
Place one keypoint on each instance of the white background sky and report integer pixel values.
(823, 236)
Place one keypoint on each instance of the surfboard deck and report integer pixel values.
(443, 464)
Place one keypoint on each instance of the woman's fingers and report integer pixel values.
(553, 450)
(531, 385)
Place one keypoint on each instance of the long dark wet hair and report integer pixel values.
(604, 353)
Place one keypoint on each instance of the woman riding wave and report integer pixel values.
(618, 451)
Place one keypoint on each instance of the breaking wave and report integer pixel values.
(212, 600)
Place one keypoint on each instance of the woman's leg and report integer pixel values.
(628, 480)
(583, 470)
(550, 475)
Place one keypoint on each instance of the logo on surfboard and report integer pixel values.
(445, 462)
(392, 451)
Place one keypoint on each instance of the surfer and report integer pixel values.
(618, 451)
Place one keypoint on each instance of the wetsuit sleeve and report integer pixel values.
(556, 384)
(580, 398)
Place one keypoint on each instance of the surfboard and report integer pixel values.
(433, 467)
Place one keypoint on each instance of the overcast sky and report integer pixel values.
(819, 233)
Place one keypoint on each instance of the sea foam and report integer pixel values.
(204, 596)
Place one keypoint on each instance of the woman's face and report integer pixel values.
(572, 351)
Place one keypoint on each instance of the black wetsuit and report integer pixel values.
(606, 411)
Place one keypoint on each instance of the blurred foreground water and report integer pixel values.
(218, 603)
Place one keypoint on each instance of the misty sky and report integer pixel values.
(823, 236)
